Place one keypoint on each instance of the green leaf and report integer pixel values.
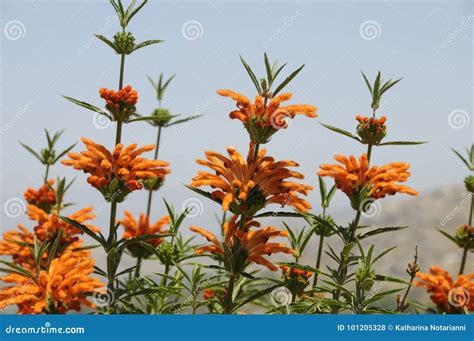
(447, 235)
(383, 278)
(379, 231)
(383, 253)
(287, 80)
(32, 152)
(279, 214)
(462, 158)
(64, 152)
(268, 68)
(108, 42)
(132, 14)
(84, 229)
(389, 85)
(204, 194)
(183, 120)
(401, 143)
(341, 131)
(368, 83)
(88, 106)
(146, 43)
(322, 190)
(18, 269)
(257, 295)
(251, 74)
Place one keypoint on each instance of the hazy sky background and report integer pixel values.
(429, 44)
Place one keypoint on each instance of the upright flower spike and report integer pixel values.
(48, 225)
(248, 246)
(359, 182)
(120, 104)
(118, 173)
(44, 197)
(262, 120)
(134, 228)
(63, 287)
(371, 130)
(450, 296)
(246, 187)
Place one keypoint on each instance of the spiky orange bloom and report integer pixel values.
(266, 115)
(61, 288)
(448, 294)
(291, 272)
(134, 228)
(354, 176)
(122, 168)
(44, 197)
(117, 100)
(261, 119)
(249, 186)
(249, 246)
(50, 224)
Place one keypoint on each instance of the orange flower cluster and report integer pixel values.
(380, 122)
(50, 224)
(249, 245)
(44, 197)
(355, 176)
(208, 294)
(244, 186)
(61, 288)
(117, 100)
(118, 173)
(261, 119)
(294, 272)
(448, 294)
(371, 130)
(134, 228)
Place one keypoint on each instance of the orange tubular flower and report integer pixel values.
(44, 198)
(134, 228)
(61, 288)
(247, 187)
(261, 120)
(359, 182)
(122, 103)
(49, 225)
(448, 295)
(249, 246)
(118, 173)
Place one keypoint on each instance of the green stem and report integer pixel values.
(138, 267)
(318, 260)
(122, 66)
(464, 254)
(257, 148)
(46, 173)
(150, 192)
(228, 296)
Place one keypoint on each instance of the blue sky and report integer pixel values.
(428, 43)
